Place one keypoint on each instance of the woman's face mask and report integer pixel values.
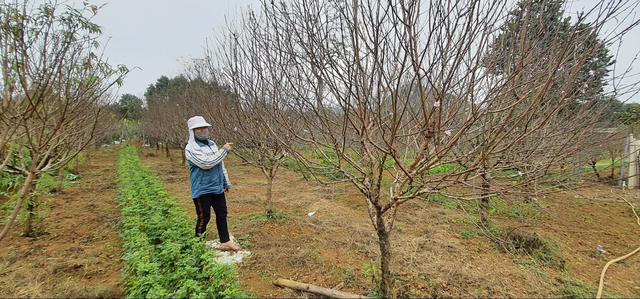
(201, 136)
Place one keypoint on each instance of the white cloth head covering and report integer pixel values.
(192, 123)
(197, 122)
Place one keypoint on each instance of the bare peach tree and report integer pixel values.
(248, 66)
(53, 81)
(408, 99)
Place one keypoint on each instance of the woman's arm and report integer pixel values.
(227, 184)
(206, 160)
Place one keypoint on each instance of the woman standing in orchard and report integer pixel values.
(209, 180)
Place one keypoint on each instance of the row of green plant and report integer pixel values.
(163, 257)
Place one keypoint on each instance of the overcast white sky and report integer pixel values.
(158, 35)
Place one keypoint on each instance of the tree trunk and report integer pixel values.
(30, 215)
(268, 211)
(166, 148)
(595, 170)
(183, 155)
(484, 210)
(24, 192)
(613, 163)
(386, 259)
(484, 199)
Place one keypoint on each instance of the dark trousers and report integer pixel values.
(203, 208)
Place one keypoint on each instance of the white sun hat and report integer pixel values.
(197, 122)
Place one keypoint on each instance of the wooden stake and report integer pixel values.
(314, 289)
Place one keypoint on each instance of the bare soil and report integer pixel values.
(80, 254)
(438, 251)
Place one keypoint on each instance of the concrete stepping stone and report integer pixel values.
(227, 257)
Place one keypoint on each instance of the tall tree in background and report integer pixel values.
(163, 83)
(540, 48)
(129, 115)
(392, 96)
(628, 114)
(541, 30)
(53, 80)
(130, 106)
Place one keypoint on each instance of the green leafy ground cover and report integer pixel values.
(163, 257)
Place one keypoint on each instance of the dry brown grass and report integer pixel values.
(80, 256)
(434, 258)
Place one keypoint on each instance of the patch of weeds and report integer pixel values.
(46, 183)
(73, 165)
(89, 239)
(468, 233)
(371, 270)
(71, 177)
(8, 205)
(346, 274)
(517, 209)
(411, 293)
(315, 255)
(244, 241)
(10, 182)
(476, 232)
(444, 168)
(448, 203)
(527, 262)
(465, 219)
(277, 216)
(574, 288)
(534, 245)
(264, 275)
(35, 209)
(294, 165)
